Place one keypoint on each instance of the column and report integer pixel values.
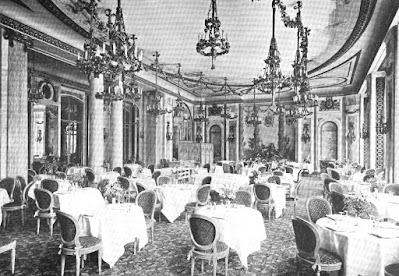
(298, 141)
(116, 159)
(3, 103)
(96, 124)
(395, 113)
(373, 122)
(17, 112)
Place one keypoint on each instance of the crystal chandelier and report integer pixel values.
(117, 57)
(154, 106)
(226, 112)
(179, 108)
(211, 43)
(271, 77)
(132, 90)
(253, 119)
(200, 115)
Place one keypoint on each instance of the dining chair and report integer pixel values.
(289, 169)
(61, 175)
(274, 179)
(101, 185)
(243, 197)
(118, 170)
(370, 172)
(277, 173)
(337, 202)
(140, 187)
(22, 181)
(90, 177)
(392, 270)
(238, 168)
(7, 245)
(31, 172)
(151, 168)
(207, 166)
(155, 176)
(263, 198)
(8, 184)
(205, 236)
(128, 193)
(50, 185)
(128, 171)
(298, 176)
(202, 196)
(30, 178)
(336, 187)
(206, 180)
(18, 203)
(335, 174)
(45, 208)
(309, 254)
(326, 187)
(74, 244)
(317, 208)
(391, 189)
(262, 170)
(164, 180)
(296, 195)
(146, 200)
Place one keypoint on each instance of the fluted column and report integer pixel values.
(3, 103)
(117, 132)
(96, 124)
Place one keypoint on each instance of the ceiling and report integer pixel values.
(345, 36)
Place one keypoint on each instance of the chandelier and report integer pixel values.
(253, 119)
(132, 90)
(226, 112)
(200, 115)
(154, 106)
(212, 43)
(271, 77)
(116, 57)
(179, 108)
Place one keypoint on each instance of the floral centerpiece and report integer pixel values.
(253, 175)
(113, 190)
(358, 207)
(227, 191)
(77, 179)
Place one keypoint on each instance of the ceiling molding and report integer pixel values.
(366, 12)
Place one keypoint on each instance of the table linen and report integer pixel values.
(78, 202)
(387, 205)
(4, 199)
(241, 228)
(362, 253)
(63, 186)
(148, 182)
(174, 198)
(116, 225)
(111, 176)
(355, 187)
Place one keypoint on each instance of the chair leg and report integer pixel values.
(22, 217)
(152, 234)
(77, 265)
(62, 264)
(192, 265)
(83, 258)
(37, 226)
(100, 258)
(4, 219)
(50, 225)
(226, 264)
(13, 260)
(202, 266)
(215, 264)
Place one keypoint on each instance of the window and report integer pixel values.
(130, 131)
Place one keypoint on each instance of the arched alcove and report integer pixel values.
(215, 137)
(329, 141)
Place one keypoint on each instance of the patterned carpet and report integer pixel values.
(38, 254)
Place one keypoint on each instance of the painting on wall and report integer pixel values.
(329, 141)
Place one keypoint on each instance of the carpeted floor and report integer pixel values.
(38, 254)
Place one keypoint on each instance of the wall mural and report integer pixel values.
(329, 104)
(329, 141)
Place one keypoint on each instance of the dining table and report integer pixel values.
(174, 198)
(4, 199)
(365, 246)
(355, 186)
(116, 225)
(111, 176)
(147, 182)
(241, 228)
(63, 186)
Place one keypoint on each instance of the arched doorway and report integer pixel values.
(131, 116)
(71, 129)
(215, 137)
(329, 141)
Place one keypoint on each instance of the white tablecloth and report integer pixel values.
(111, 176)
(63, 186)
(174, 198)
(84, 201)
(148, 182)
(355, 187)
(117, 225)
(362, 253)
(73, 170)
(241, 228)
(287, 180)
(387, 206)
(4, 199)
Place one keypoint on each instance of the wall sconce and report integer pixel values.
(232, 131)
(305, 135)
(169, 135)
(365, 131)
(382, 127)
(351, 136)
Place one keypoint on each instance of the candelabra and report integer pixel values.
(34, 94)
(253, 119)
(179, 108)
(200, 115)
(305, 135)
(132, 90)
(212, 43)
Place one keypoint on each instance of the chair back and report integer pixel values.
(30, 178)
(337, 202)
(8, 184)
(370, 172)
(203, 231)
(146, 200)
(289, 169)
(206, 180)
(61, 175)
(155, 176)
(128, 171)
(307, 238)
(202, 194)
(36, 165)
(262, 170)
(327, 182)
(369, 178)
(262, 192)
(226, 168)
(140, 187)
(26, 191)
(22, 181)
(90, 176)
(31, 172)
(244, 198)
(278, 173)
(274, 179)
(207, 166)
(239, 168)
(42, 170)
(101, 185)
(44, 200)
(391, 188)
(299, 176)
(69, 230)
(335, 175)
(118, 170)
(317, 208)
(324, 176)
(124, 182)
(151, 168)
(50, 185)
(336, 187)
(330, 165)
(164, 180)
